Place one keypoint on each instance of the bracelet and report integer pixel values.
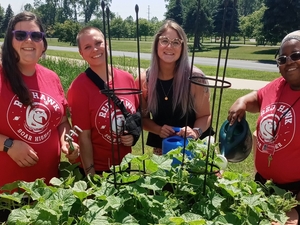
(89, 168)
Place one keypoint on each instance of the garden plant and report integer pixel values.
(165, 193)
(159, 193)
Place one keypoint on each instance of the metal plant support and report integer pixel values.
(214, 83)
(120, 91)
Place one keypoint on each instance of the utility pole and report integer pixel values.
(148, 12)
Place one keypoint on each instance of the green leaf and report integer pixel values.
(15, 196)
(163, 162)
(19, 216)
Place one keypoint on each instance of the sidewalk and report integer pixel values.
(237, 83)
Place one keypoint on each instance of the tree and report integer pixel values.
(204, 23)
(247, 7)
(67, 31)
(117, 28)
(226, 10)
(96, 23)
(28, 7)
(144, 28)
(2, 32)
(251, 26)
(130, 27)
(280, 18)
(91, 7)
(8, 15)
(175, 11)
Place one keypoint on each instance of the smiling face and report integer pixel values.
(28, 50)
(291, 69)
(169, 54)
(92, 47)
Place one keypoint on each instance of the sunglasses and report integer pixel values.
(165, 41)
(281, 60)
(22, 35)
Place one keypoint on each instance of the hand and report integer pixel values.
(127, 140)
(189, 132)
(166, 131)
(23, 154)
(236, 111)
(71, 155)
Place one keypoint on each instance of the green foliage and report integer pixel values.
(144, 28)
(165, 193)
(226, 20)
(197, 20)
(247, 7)
(175, 11)
(8, 15)
(251, 26)
(67, 31)
(280, 18)
(89, 7)
(67, 69)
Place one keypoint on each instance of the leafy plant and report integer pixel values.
(165, 192)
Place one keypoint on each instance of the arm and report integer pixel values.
(245, 103)
(22, 153)
(200, 97)
(86, 152)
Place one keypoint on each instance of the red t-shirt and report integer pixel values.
(90, 111)
(37, 125)
(279, 108)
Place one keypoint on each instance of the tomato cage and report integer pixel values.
(184, 159)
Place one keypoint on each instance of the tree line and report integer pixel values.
(267, 21)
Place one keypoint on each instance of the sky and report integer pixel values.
(124, 8)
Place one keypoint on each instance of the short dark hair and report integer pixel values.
(85, 30)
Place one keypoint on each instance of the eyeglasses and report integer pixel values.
(281, 60)
(165, 41)
(21, 35)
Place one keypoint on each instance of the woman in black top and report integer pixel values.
(165, 88)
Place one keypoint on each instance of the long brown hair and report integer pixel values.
(182, 71)
(10, 58)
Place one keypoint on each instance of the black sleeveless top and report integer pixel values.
(165, 114)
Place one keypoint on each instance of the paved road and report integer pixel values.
(242, 64)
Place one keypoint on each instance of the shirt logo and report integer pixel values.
(34, 123)
(276, 126)
(110, 120)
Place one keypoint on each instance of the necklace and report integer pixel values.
(162, 87)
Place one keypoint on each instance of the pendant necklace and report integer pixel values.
(166, 95)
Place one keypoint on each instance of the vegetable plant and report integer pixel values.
(157, 190)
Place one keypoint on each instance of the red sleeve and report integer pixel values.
(269, 88)
(78, 99)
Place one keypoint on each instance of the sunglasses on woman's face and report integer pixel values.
(22, 35)
(281, 60)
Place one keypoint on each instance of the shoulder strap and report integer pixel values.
(95, 78)
(105, 90)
